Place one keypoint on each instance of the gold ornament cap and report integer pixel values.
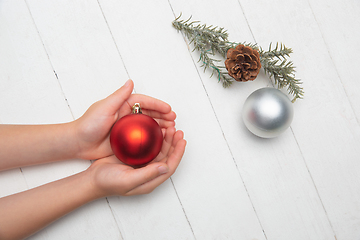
(136, 109)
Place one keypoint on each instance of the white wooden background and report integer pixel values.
(59, 57)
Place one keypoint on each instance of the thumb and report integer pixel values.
(142, 175)
(115, 100)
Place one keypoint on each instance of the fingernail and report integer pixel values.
(163, 169)
(127, 83)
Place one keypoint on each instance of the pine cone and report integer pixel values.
(243, 63)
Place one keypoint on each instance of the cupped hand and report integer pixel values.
(92, 130)
(109, 176)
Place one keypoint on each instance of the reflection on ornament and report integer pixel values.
(136, 139)
(267, 112)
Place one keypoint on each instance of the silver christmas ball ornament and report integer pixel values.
(267, 112)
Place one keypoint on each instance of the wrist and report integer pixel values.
(71, 140)
(92, 186)
(87, 187)
(74, 139)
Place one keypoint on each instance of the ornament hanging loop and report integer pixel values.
(136, 109)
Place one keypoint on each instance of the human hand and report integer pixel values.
(108, 176)
(92, 130)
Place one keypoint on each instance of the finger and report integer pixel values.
(141, 176)
(110, 159)
(117, 99)
(171, 116)
(164, 120)
(169, 134)
(173, 163)
(177, 137)
(149, 103)
(165, 124)
(176, 156)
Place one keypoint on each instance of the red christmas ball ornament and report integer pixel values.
(136, 139)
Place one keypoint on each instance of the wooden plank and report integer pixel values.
(27, 79)
(89, 68)
(230, 184)
(325, 124)
(207, 182)
(339, 25)
(273, 170)
(12, 181)
(30, 93)
(80, 49)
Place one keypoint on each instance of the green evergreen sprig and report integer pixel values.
(276, 65)
(209, 40)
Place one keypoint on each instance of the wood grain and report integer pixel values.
(59, 57)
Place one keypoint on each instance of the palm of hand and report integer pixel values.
(112, 177)
(94, 130)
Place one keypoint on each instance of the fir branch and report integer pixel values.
(214, 37)
(281, 70)
(277, 52)
(217, 70)
(234, 44)
(209, 40)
